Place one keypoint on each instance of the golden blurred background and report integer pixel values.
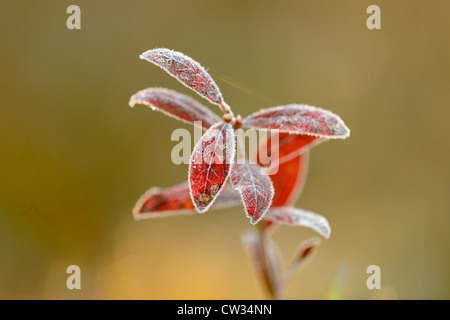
(75, 158)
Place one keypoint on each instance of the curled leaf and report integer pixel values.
(175, 104)
(176, 200)
(187, 71)
(265, 256)
(299, 119)
(298, 217)
(210, 164)
(303, 255)
(256, 190)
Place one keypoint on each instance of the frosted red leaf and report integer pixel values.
(299, 119)
(288, 183)
(256, 190)
(176, 200)
(266, 258)
(187, 71)
(176, 105)
(303, 255)
(289, 178)
(298, 217)
(210, 164)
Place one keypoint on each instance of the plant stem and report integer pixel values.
(226, 108)
(274, 288)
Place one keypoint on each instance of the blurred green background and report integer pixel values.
(74, 157)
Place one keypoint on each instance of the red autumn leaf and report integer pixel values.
(256, 190)
(266, 258)
(175, 104)
(210, 164)
(176, 200)
(298, 217)
(292, 162)
(289, 180)
(303, 255)
(289, 177)
(187, 71)
(299, 119)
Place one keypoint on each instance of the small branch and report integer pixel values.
(238, 122)
(275, 290)
(226, 108)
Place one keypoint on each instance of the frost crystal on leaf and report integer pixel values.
(299, 119)
(256, 190)
(176, 200)
(158, 202)
(210, 164)
(175, 104)
(298, 217)
(187, 71)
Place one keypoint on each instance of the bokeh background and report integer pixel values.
(74, 157)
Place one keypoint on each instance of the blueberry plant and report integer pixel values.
(267, 193)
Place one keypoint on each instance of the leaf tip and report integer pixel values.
(137, 210)
(136, 216)
(337, 126)
(341, 131)
(254, 221)
(347, 132)
(147, 54)
(201, 209)
(132, 102)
